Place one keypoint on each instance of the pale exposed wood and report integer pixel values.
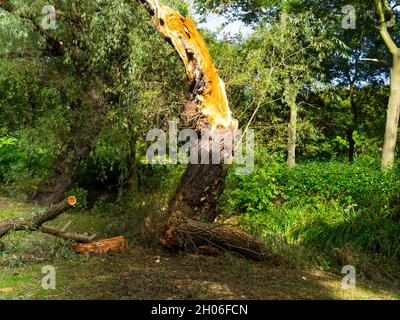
(207, 94)
(112, 245)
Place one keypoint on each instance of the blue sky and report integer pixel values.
(215, 21)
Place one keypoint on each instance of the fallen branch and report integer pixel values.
(376, 60)
(181, 231)
(67, 235)
(36, 223)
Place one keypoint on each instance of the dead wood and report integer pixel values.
(183, 232)
(112, 245)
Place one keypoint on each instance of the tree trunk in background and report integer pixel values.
(351, 143)
(392, 116)
(133, 180)
(84, 131)
(353, 126)
(291, 157)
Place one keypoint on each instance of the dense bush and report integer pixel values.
(20, 160)
(325, 205)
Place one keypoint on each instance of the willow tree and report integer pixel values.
(192, 208)
(80, 60)
(206, 108)
(88, 82)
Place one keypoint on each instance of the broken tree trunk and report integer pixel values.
(198, 191)
(206, 109)
(37, 221)
(196, 196)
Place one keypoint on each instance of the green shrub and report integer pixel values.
(81, 197)
(361, 183)
(320, 205)
(20, 160)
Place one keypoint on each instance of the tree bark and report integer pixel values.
(85, 238)
(354, 123)
(199, 190)
(84, 131)
(291, 158)
(392, 116)
(351, 143)
(133, 180)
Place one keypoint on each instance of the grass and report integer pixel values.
(151, 272)
(324, 214)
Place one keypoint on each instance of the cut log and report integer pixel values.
(112, 245)
(183, 232)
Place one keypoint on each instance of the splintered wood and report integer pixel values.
(207, 90)
(111, 245)
(207, 110)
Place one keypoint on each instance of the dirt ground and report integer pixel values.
(146, 272)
